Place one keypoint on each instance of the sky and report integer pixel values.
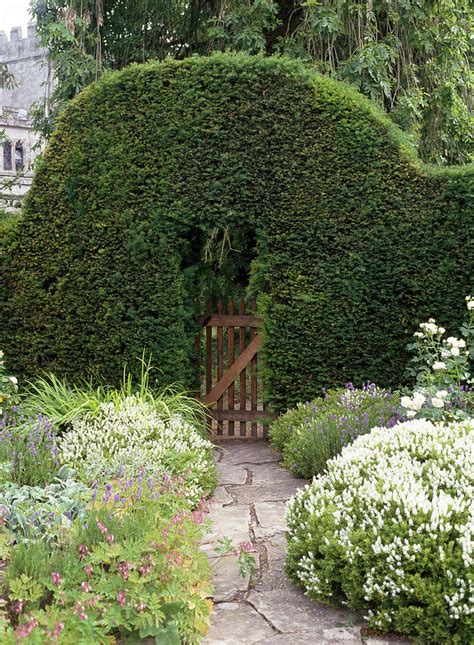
(14, 13)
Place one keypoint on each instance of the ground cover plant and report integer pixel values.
(101, 514)
(387, 530)
(314, 432)
(133, 223)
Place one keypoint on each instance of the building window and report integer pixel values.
(7, 156)
(19, 160)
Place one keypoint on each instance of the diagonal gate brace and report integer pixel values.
(234, 370)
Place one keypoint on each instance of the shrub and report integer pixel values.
(8, 387)
(131, 568)
(318, 430)
(388, 530)
(132, 435)
(229, 165)
(30, 513)
(443, 368)
(29, 447)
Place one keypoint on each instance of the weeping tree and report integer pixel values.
(413, 57)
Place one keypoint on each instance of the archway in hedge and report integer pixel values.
(166, 183)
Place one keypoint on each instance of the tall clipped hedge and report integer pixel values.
(166, 183)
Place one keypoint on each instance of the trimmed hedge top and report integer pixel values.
(167, 183)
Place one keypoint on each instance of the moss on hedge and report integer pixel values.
(165, 182)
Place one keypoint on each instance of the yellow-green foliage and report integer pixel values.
(165, 182)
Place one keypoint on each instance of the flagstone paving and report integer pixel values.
(249, 505)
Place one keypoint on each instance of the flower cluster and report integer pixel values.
(133, 436)
(442, 368)
(8, 386)
(317, 431)
(388, 530)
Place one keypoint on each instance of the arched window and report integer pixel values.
(19, 157)
(7, 155)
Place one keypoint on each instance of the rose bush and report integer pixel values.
(388, 530)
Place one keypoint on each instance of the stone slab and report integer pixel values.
(276, 547)
(271, 519)
(231, 522)
(226, 578)
(234, 623)
(221, 498)
(279, 491)
(248, 453)
(230, 474)
(272, 472)
(289, 611)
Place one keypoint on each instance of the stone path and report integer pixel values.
(249, 505)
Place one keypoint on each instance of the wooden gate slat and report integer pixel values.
(220, 363)
(238, 367)
(253, 381)
(208, 351)
(243, 375)
(230, 361)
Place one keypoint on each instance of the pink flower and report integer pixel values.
(110, 539)
(83, 616)
(58, 628)
(83, 551)
(86, 587)
(56, 578)
(89, 570)
(198, 517)
(121, 598)
(140, 607)
(246, 546)
(22, 631)
(102, 528)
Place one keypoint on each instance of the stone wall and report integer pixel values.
(28, 63)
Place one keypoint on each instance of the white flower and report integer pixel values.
(419, 334)
(439, 365)
(441, 394)
(406, 401)
(13, 379)
(455, 351)
(411, 414)
(437, 403)
(441, 330)
(430, 327)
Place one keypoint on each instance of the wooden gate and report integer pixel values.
(227, 357)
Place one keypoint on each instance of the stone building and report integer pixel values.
(28, 64)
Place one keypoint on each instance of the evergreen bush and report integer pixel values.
(167, 183)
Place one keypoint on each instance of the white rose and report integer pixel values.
(455, 351)
(461, 343)
(441, 394)
(406, 401)
(418, 334)
(437, 403)
(411, 414)
(419, 398)
(439, 365)
(470, 304)
(441, 330)
(13, 379)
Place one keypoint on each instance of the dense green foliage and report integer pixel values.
(414, 58)
(165, 182)
(316, 431)
(386, 531)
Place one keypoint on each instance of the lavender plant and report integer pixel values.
(320, 429)
(29, 448)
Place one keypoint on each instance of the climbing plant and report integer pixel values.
(167, 183)
(413, 58)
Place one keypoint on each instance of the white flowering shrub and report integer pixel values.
(130, 435)
(389, 530)
(443, 369)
